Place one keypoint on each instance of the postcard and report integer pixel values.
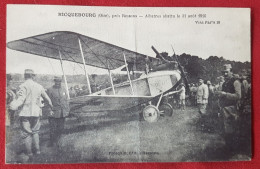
(92, 84)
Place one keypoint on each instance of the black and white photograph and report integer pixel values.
(88, 84)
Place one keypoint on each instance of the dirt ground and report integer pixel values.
(125, 137)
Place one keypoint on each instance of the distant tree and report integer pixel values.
(192, 65)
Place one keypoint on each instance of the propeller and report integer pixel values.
(183, 75)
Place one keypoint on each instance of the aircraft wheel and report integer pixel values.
(151, 113)
(166, 109)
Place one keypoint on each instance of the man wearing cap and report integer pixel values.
(202, 96)
(28, 103)
(60, 110)
(228, 99)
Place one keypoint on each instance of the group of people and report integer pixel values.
(206, 90)
(229, 99)
(230, 95)
(205, 95)
(27, 103)
(198, 96)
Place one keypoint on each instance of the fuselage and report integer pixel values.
(150, 84)
(145, 88)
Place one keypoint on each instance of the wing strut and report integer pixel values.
(111, 80)
(126, 65)
(83, 59)
(65, 79)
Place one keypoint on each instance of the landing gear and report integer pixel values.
(166, 109)
(151, 113)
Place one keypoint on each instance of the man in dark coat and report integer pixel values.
(10, 96)
(60, 110)
(229, 99)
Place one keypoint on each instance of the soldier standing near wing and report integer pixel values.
(229, 98)
(60, 110)
(28, 102)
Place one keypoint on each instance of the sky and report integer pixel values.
(192, 34)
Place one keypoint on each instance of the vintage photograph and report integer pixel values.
(127, 84)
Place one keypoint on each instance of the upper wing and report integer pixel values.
(97, 53)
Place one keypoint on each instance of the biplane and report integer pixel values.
(161, 76)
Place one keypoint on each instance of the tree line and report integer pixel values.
(210, 68)
(194, 66)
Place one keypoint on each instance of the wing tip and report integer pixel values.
(9, 44)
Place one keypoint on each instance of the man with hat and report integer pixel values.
(202, 96)
(228, 100)
(60, 110)
(28, 102)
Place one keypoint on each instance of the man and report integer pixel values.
(202, 97)
(72, 92)
(220, 81)
(182, 96)
(229, 98)
(59, 111)
(244, 84)
(10, 114)
(10, 95)
(77, 90)
(193, 91)
(28, 102)
(211, 95)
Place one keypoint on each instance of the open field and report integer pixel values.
(123, 137)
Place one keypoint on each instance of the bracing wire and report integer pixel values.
(52, 67)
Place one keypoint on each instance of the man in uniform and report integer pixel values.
(229, 98)
(60, 110)
(193, 91)
(211, 96)
(28, 102)
(10, 95)
(202, 96)
(244, 84)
